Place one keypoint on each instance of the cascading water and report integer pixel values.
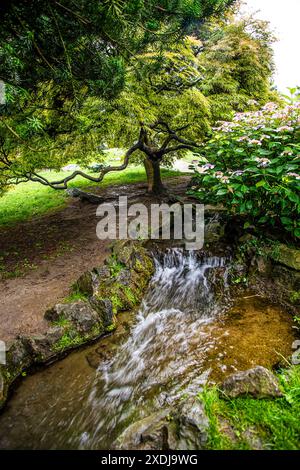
(164, 355)
(163, 358)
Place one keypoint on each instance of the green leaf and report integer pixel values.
(286, 220)
(293, 197)
(263, 219)
(222, 192)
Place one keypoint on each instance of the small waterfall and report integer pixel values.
(179, 338)
(164, 355)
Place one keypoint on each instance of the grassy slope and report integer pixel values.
(274, 422)
(32, 199)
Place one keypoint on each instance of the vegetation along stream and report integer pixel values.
(188, 330)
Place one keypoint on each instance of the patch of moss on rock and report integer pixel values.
(123, 283)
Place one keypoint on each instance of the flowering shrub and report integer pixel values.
(252, 166)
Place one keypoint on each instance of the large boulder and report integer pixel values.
(257, 382)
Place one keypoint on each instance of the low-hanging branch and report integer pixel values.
(152, 153)
(63, 183)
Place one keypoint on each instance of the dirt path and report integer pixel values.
(43, 257)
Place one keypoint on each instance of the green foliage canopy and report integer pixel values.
(238, 61)
(88, 42)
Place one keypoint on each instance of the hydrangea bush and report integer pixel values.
(252, 166)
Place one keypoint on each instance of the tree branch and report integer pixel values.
(63, 183)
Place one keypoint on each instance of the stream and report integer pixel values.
(188, 330)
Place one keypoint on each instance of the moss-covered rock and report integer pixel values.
(18, 359)
(270, 268)
(277, 282)
(79, 314)
(258, 382)
(121, 284)
(289, 257)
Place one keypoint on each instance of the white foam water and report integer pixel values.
(164, 356)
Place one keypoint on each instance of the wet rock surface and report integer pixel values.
(150, 433)
(79, 313)
(182, 428)
(193, 425)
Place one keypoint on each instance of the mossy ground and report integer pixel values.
(247, 423)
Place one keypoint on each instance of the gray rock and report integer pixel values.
(104, 308)
(17, 354)
(40, 347)
(89, 197)
(262, 264)
(80, 314)
(88, 283)
(257, 382)
(183, 429)
(193, 425)
(150, 433)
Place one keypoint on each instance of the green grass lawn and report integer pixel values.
(33, 199)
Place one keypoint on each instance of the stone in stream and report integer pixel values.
(150, 433)
(193, 425)
(257, 382)
(184, 428)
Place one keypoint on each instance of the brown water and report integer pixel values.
(184, 334)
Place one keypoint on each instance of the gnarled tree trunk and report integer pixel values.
(155, 184)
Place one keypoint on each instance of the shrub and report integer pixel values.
(252, 166)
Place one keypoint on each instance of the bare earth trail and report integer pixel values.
(55, 249)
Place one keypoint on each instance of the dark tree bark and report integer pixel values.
(154, 181)
(153, 155)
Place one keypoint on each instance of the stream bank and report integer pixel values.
(86, 315)
(196, 325)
